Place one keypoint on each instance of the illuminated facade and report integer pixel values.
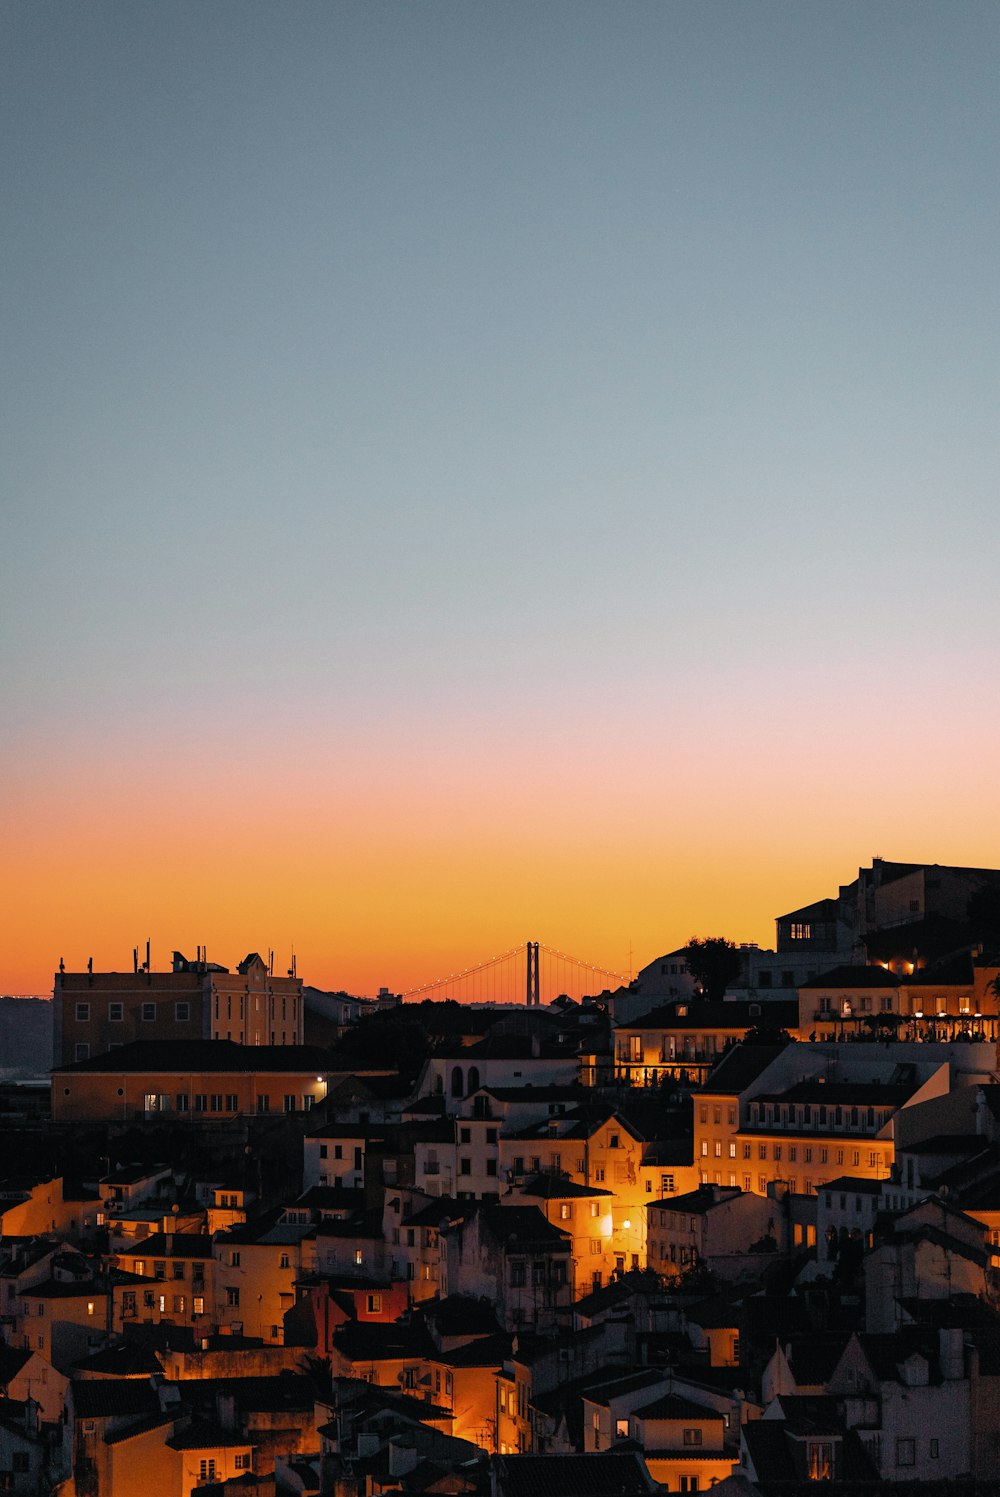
(95, 1012)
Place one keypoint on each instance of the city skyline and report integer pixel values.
(480, 474)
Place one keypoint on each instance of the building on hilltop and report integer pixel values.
(94, 1012)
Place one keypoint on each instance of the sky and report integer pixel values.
(476, 473)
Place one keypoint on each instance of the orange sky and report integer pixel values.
(390, 866)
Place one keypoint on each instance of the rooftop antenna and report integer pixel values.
(135, 959)
(148, 958)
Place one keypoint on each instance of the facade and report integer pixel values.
(683, 1041)
(95, 1012)
(196, 1082)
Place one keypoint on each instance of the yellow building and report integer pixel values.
(96, 1011)
(189, 1081)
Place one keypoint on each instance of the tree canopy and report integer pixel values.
(714, 962)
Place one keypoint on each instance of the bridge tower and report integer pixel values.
(532, 992)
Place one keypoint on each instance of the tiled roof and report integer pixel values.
(109, 1398)
(127, 1359)
(629, 1382)
(672, 1406)
(205, 1434)
(551, 1187)
(171, 1245)
(853, 977)
(596, 1474)
(736, 1014)
(184, 1056)
(738, 1068)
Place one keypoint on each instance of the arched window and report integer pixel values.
(456, 1081)
(473, 1079)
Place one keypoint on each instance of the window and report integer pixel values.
(182, 1013)
(241, 1462)
(149, 1013)
(263, 1102)
(374, 1304)
(692, 1437)
(820, 1460)
(198, 1304)
(234, 1259)
(232, 1102)
(181, 1102)
(201, 1102)
(82, 1013)
(160, 1269)
(465, 1135)
(518, 1276)
(621, 1429)
(935, 1450)
(216, 1102)
(284, 1261)
(116, 1012)
(465, 1166)
(177, 1270)
(232, 1297)
(906, 1452)
(206, 1469)
(289, 1102)
(565, 1211)
(595, 1209)
(359, 1257)
(82, 1052)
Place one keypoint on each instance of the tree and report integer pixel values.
(767, 1034)
(984, 915)
(714, 962)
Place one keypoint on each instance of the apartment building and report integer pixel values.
(94, 1012)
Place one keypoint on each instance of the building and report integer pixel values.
(189, 1081)
(95, 1012)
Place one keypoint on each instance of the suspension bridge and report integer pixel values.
(531, 973)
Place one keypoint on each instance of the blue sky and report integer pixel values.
(525, 373)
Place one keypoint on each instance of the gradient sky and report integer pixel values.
(480, 472)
